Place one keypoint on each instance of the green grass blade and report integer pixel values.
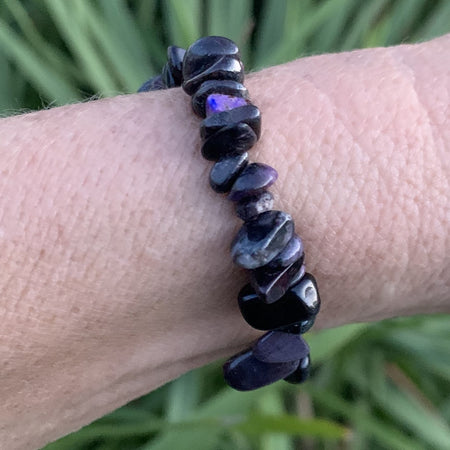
(413, 415)
(112, 46)
(386, 434)
(53, 86)
(331, 33)
(270, 32)
(403, 15)
(232, 19)
(11, 88)
(272, 403)
(68, 17)
(437, 24)
(292, 425)
(55, 57)
(326, 343)
(367, 16)
(122, 22)
(183, 20)
(183, 397)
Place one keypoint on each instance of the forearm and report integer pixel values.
(116, 274)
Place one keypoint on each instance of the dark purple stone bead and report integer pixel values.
(271, 286)
(248, 114)
(258, 203)
(211, 58)
(216, 103)
(225, 171)
(254, 178)
(298, 276)
(153, 84)
(225, 68)
(306, 292)
(278, 347)
(229, 140)
(175, 56)
(260, 239)
(299, 327)
(301, 373)
(207, 88)
(167, 77)
(288, 310)
(244, 372)
(290, 254)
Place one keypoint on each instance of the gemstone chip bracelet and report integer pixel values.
(280, 297)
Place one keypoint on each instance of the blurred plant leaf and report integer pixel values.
(293, 425)
(328, 342)
(52, 84)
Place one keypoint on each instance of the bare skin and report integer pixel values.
(114, 253)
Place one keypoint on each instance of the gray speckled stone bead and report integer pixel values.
(254, 205)
(260, 239)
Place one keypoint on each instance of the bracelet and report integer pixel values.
(281, 297)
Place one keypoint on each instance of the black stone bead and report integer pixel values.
(225, 171)
(153, 84)
(226, 87)
(245, 373)
(260, 239)
(248, 114)
(299, 327)
(291, 253)
(256, 177)
(236, 138)
(175, 56)
(278, 347)
(288, 310)
(258, 203)
(271, 286)
(211, 58)
(301, 373)
(306, 292)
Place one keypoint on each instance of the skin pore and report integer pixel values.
(114, 252)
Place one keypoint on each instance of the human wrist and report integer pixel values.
(363, 170)
(145, 255)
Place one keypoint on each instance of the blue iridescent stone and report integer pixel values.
(244, 372)
(220, 102)
(278, 347)
(256, 177)
(226, 87)
(301, 373)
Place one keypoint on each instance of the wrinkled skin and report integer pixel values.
(114, 252)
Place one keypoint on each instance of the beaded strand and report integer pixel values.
(281, 297)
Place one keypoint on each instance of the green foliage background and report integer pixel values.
(378, 386)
